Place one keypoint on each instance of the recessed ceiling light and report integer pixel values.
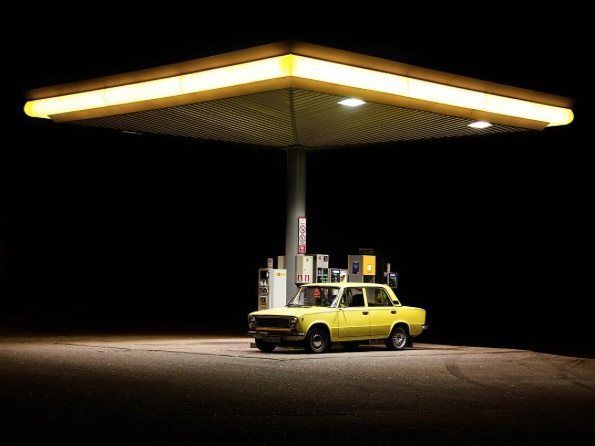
(352, 102)
(480, 125)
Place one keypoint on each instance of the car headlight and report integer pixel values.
(251, 322)
(293, 322)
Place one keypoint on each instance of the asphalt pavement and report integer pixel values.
(196, 389)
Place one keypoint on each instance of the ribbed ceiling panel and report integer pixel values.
(266, 119)
(260, 119)
(321, 122)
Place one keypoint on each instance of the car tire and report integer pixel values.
(351, 346)
(399, 338)
(266, 347)
(318, 340)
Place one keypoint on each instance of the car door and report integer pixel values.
(382, 312)
(354, 317)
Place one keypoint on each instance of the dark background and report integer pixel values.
(104, 230)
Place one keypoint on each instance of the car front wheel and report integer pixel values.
(266, 347)
(399, 338)
(318, 340)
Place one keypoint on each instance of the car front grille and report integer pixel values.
(272, 322)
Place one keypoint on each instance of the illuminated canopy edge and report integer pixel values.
(320, 68)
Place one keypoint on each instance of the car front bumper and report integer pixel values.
(285, 337)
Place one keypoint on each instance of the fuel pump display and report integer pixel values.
(393, 280)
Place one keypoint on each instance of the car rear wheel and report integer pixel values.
(399, 338)
(266, 347)
(318, 340)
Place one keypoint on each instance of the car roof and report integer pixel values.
(347, 284)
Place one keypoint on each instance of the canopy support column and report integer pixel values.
(296, 207)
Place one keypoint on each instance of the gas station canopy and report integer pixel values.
(297, 94)
(300, 97)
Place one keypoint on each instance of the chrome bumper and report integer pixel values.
(289, 337)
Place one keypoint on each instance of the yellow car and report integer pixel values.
(348, 313)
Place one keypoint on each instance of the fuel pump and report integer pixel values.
(392, 279)
(362, 268)
(271, 288)
(322, 269)
(335, 275)
(304, 267)
(338, 275)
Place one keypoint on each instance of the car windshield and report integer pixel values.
(315, 296)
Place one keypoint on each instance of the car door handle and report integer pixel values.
(364, 312)
(393, 311)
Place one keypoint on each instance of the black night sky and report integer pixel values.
(101, 229)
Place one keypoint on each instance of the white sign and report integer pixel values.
(302, 235)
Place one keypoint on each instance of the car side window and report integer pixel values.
(353, 297)
(377, 297)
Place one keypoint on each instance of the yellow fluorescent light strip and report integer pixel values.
(349, 76)
(305, 68)
(245, 73)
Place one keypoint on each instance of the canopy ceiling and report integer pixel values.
(309, 119)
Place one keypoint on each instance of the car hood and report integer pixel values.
(292, 311)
